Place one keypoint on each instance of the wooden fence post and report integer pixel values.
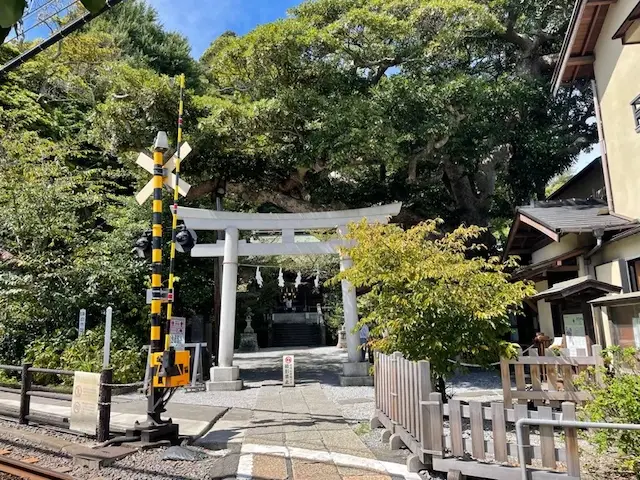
(104, 405)
(436, 424)
(571, 441)
(395, 381)
(596, 351)
(424, 390)
(505, 375)
(536, 384)
(25, 399)
(521, 384)
(499, 432)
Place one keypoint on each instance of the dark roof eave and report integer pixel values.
(556, 80)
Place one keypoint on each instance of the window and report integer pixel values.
(634, 274)
(635, 105)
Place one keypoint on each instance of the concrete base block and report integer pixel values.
(386, 435)
(224, 374)
(414, 465)
(356, 374)
(229, 386)
(395, 442)
(356, 369)
(356, 381)
(375, 423)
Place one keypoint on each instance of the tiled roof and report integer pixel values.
(575, 216)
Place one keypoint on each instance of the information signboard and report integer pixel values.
(178, 332)
(288, 378)
(84, 402)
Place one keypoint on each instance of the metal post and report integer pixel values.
(104, 405)
(25, 399)
(155, 346)
(106, 354)
(174, 221)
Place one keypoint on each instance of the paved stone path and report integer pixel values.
(294, 433)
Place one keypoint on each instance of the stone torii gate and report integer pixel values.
(226, 376)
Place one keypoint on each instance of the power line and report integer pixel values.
(43, 21)
(55, 38)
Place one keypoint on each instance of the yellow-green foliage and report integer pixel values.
(616, 401)
(431, 294)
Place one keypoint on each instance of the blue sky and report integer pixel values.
(202, 21)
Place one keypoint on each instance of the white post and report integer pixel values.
(228, 301)
(82, 322)
(350, 307)
(107, 339)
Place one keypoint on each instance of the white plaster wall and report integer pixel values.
(626, 249)
(544, 311)
(566, 244)
(610, 273)
(617, 70)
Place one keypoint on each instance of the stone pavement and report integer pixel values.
(294, 433)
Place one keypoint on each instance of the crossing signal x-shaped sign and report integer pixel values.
(146, 162)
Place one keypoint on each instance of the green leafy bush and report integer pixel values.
(616, 400)
(86, 353)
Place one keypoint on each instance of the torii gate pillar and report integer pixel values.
(225, 376)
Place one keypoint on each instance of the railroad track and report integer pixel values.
(29, 471)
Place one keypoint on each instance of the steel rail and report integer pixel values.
(560, 423)
(29, 471)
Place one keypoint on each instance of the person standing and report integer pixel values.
(364, 338)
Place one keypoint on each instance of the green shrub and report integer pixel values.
(85, 354)
(616, 401)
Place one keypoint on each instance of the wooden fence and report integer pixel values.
(551, 376)
(474, 439)
(28, 390)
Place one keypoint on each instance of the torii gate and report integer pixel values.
(226, 376)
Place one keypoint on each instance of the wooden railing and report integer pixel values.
(551, 376)
(401, 389)
(415, 417)
(27, 390)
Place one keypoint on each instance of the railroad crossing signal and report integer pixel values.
(146, 162)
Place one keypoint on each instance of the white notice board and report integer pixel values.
(575, 333)
(288, 379)
(178, 332)
(84, 402)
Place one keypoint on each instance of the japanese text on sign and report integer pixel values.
(178, 332)
(288, 379)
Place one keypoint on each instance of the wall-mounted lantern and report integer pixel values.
(635, 106)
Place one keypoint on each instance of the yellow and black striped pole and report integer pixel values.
(161, 146)
(174, 224)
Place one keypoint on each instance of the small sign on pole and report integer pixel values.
(178, 332)
(82, 322)
(288, 379)
(84, 402)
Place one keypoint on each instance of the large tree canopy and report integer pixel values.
(442, 104)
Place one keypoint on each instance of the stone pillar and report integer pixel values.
(350, 307)
(225, 376)
(355, 372)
